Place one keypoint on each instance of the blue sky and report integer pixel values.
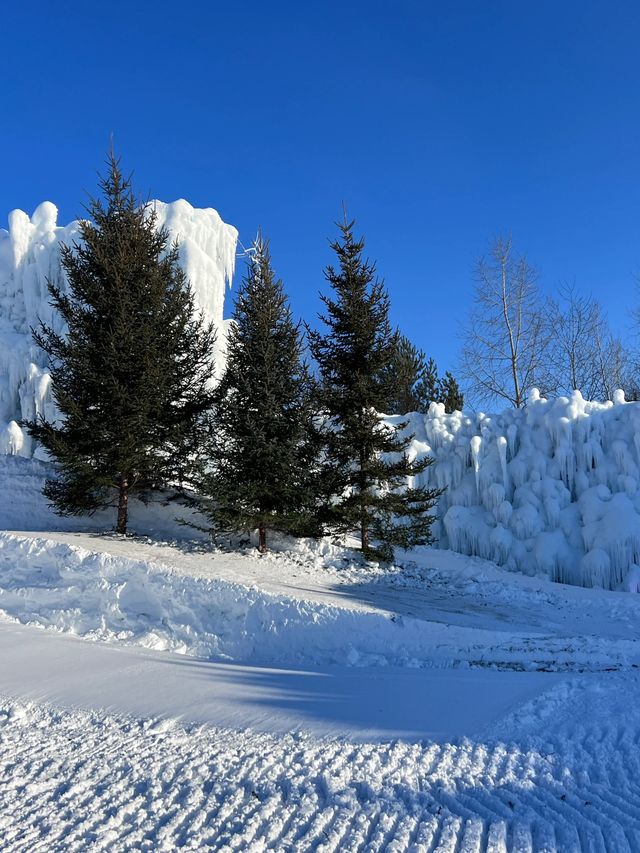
(440, 125)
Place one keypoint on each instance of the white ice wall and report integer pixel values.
(553, 488)
(29, 255)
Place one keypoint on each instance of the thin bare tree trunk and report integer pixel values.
(512, 343)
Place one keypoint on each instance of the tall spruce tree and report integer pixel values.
(366, 462)
(263, 448)
(130, 375)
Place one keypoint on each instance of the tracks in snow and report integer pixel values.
(89, 782)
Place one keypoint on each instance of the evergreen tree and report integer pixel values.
(261, 452)
(414, 383)
(405, 375)
(130, 375)
(366, 462)
(450, 394)
(428, 388)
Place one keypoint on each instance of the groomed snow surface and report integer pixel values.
(159, 695)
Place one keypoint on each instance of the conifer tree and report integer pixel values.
(130, 375)
(366, 462)
(414, 382)
(405, 373)
(428, 387)
(450, 394)
(262, 451)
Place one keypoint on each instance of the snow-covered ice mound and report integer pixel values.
(29, 256)
(551, 489)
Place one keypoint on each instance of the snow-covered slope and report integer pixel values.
(29, 255)
(551, 489)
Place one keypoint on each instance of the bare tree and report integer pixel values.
(506, 337)
(585, 354)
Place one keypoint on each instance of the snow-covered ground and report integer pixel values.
(200, 699)
(156, 694)
(561, 781)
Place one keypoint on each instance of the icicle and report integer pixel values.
(501, 441)
(476, 444)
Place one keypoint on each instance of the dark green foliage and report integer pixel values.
(428, 386)
(414, 382)
(130, 375)
(405, 377)
(261, 453)
(450, 394)
(366, 464)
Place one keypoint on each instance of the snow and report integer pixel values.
(159, 694)
(29, 256)
(83, 781)
(552, 489)
(305, 608)
(364, 705)
(112, 746)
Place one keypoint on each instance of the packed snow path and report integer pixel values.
(89, 782)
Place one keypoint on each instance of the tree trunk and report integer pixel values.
(364, 521)
(364, 532)
(262, 539)
(123, 505)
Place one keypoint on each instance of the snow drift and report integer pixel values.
(29, 256)
(550, 489)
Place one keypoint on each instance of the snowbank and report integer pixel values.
(551, 489)
(29, 256)
(113, 598)
(24, 507)
(233, 613)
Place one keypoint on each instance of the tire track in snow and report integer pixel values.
(76, 781)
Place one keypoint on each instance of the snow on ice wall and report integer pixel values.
(552, 489)
(29, 255)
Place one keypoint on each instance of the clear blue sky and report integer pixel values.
(439, 124)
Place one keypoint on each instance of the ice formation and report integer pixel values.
(551, 489)
(29, 255)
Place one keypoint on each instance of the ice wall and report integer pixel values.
(29, 255)
(552, 489)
